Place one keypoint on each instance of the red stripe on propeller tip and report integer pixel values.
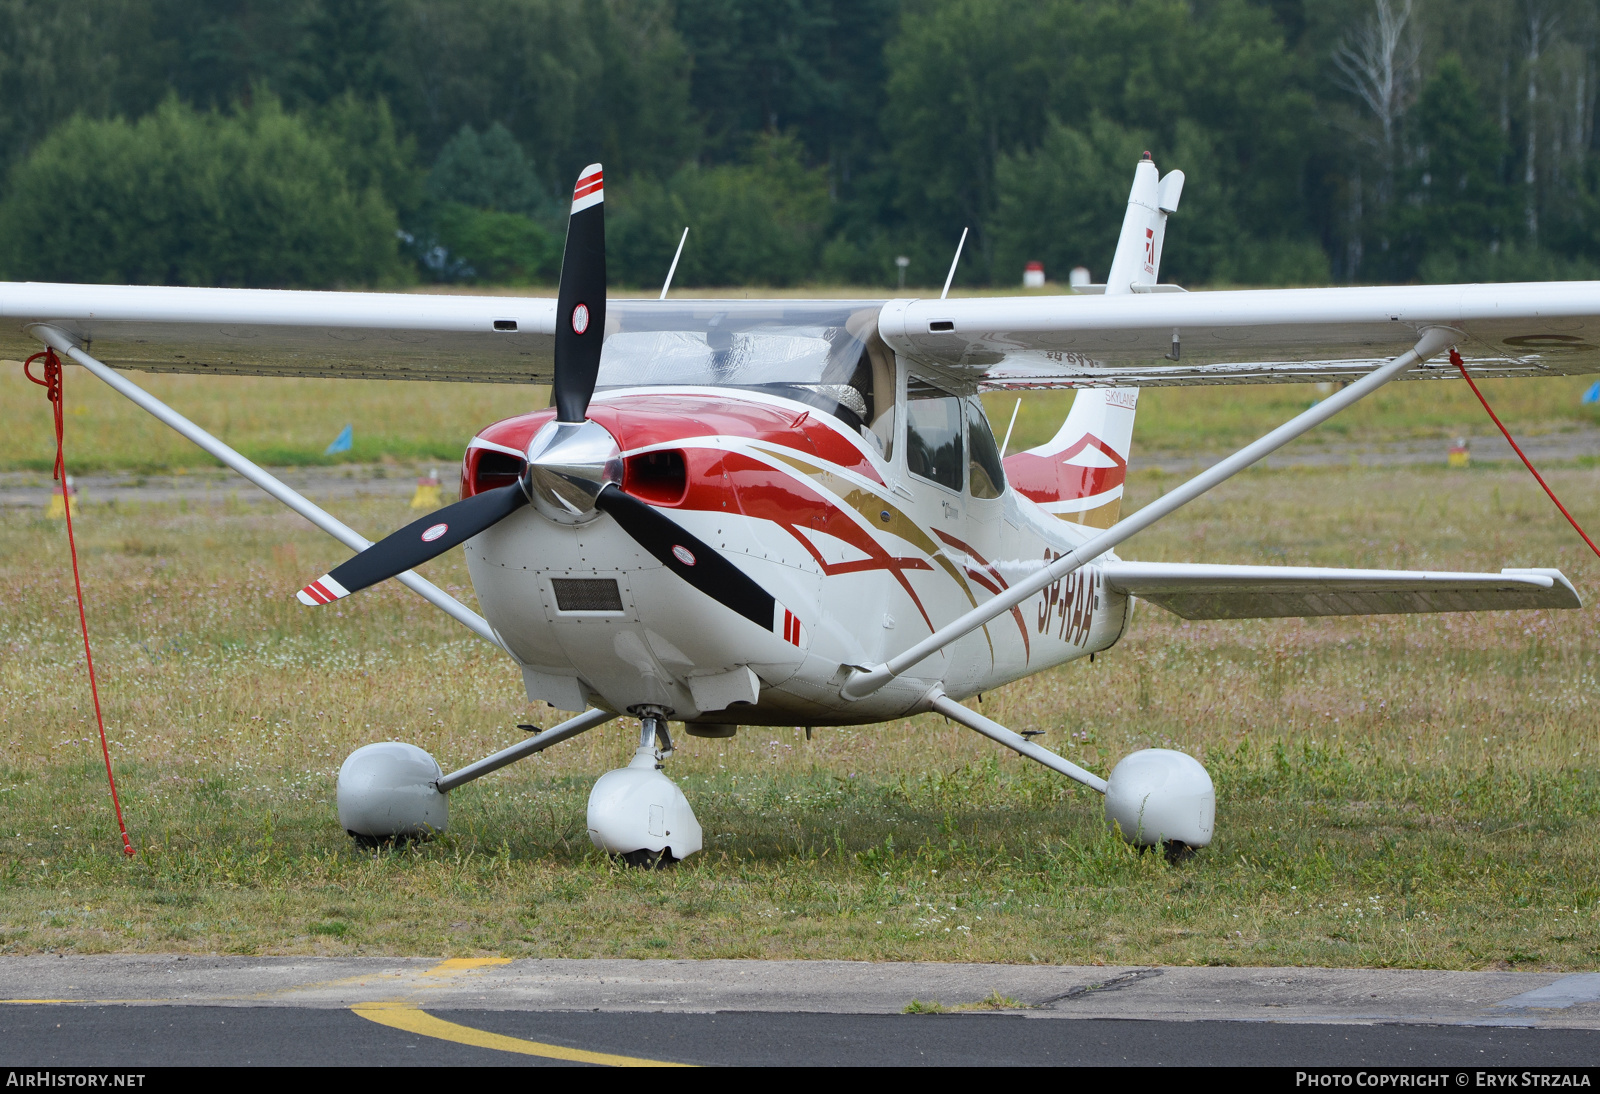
(320, 593)
(588, 186)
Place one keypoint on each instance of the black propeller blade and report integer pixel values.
(416, 543)
(580, 330)
(695, 561)
(581, 300)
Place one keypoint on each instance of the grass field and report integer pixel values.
(1415, 791)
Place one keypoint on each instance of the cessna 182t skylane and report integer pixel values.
(795, 512)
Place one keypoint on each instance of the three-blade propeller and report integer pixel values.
(572, 469)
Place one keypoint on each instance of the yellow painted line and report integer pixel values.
(465, 964)
(44, 1000)
(413, 1019)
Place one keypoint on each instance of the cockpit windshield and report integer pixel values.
(824, 353)
(738, 342)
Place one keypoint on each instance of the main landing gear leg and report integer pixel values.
(638, 814)
(1155, 796)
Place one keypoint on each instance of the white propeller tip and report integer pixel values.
(590, 189)
(324, 590)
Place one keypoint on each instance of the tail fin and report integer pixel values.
(1144, 228)
(1079, 474)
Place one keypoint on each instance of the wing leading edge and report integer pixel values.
(1199, 591)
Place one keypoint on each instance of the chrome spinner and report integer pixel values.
(569, 463)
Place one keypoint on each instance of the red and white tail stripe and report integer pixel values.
(788, 624)
(324, 590)
(590, 189)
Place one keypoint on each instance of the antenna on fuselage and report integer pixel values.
(954, 262)
(674, 268)
(1007, 442)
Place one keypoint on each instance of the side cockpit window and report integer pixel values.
(933, 434)
(986, 476)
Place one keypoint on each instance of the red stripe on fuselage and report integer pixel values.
(778, 495)
(989, 568)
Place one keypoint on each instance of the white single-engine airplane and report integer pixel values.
(795, 512)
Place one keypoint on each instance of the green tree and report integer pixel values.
(211, 53)
(249, 198)
(57, 60)
(1456, 205)
(575, 80)
(344, 48)
(488, 171)
(814, 68)
(486, 246)
(372, 151)
(1063, 202)
(757, 222)
(973, 82)
(489, 218)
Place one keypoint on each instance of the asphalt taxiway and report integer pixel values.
(131, 1011)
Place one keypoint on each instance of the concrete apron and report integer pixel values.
(1335, 996)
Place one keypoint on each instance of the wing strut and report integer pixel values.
(293, 499)
(864, 682)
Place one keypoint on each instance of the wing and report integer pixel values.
(1254, 336)
(1257, 592)
(405, 336)
(274, 332)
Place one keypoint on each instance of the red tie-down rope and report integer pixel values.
(1455, 359)
(52, 385)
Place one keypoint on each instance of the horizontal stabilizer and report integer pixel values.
(1199, 591)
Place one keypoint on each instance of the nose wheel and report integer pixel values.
(636, 813)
